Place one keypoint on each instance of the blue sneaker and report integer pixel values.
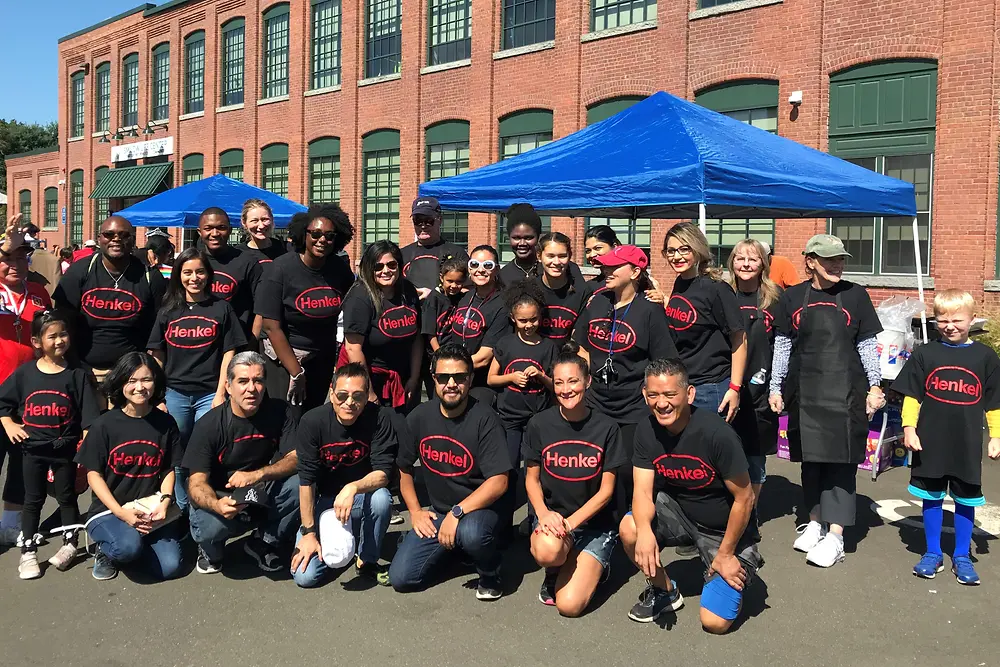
(929, 565)
(962, 568)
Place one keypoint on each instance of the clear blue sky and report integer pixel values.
(28, 50)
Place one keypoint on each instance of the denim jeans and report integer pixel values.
(211, 531)
(709, 395)
(417, 559)
(369, 521)
(157, 554)
(186, 408)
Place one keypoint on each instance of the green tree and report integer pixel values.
(16, 137)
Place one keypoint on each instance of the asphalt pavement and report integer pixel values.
(868, 610)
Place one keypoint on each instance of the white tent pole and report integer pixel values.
(701, 218)
(920, 278)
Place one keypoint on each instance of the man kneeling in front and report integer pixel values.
(691, 489)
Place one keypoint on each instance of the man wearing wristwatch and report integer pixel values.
(346, 451)
(463, 452)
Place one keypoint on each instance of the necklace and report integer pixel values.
(111, 275)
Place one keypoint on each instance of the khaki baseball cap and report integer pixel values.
(826, 245)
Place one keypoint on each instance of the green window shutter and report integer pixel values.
(231, 158)
(739, 95)
(277, 10)
(449, 131)
(608, 108)
(533, 121)
(274, 153)
(380, 140)
(324, 147)
(193, 161)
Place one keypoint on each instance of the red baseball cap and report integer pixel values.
(624, 254)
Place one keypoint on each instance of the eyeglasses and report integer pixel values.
(444, 378)
(488, 265)
(392, 266)
(123, 236)
(683, 250)
(318, 234)
(359, 397)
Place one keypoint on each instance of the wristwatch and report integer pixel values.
(305, 530)
(166, 496)
(457, 511)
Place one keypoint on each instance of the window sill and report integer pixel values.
(323, 91)
(231, 107)
(455, 64)
(900, 282)
(95, 135)
(189, 116)
(157, 123)
(50, 229)
(730, 7)
(379, 79)
(521, 50)
(991, 286)
(74, 139)
(620, 30)
(272, 100)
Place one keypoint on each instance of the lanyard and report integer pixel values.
(472, 304)
(614, 326)
(8, 295)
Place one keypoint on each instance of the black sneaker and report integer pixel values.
(267, 558)
(687, 551)
(490, 588)
(104, 569)
(204, 565)
(377, 573)
(547, 593)
(653, 602)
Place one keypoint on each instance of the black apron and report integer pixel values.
(756, 423)
(826, 390)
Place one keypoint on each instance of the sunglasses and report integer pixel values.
(122, 236)
(318, 234)
(488, 265)
(391, 265)
(424, 222)
(683, 250)
(359, 397)
(444, 378)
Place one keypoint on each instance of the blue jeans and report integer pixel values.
(211, 531)
(186, 408)
(157, 554)
(709, 395)
(369, 521)
(417, 558)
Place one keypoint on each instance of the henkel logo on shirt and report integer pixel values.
(468, 322)
(558, 322)
(685, 471)
(241, 441)
(444, 322)
(954, 385)
(533, 386)
(224, 285)
(445, 456)
(398, 322)
(110, 304)
(573, 460)
(599, 335)
(343, 454)
(191, 332)
(319, 302)
(797, 315)
(769, 320)
(768, 317)
(681, 313)
(47, 409)
(136, 459)
(418, 258)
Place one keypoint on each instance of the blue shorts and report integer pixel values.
(756, 466)
(934, 488)
(599, 544)
(718, 597)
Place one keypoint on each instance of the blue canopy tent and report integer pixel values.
(182, 206)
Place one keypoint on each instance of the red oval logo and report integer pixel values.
(558, 322)
(264, 261)
(797, 315)
(191, 332)
(47, 409)
(599, 335)
(533, 386)
(954, 385)
(343, 454)
(224, 285)
(681, 313)
(110, 304)
(418, 258)
(253, 436)
(444, 322)
(319, 302)
(398, 322)
(573, 460)
(468, 322)
(685, 471)
(445, 456)
(136, 459)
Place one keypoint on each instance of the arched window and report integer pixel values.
(233, 45)
(325, 44)
(24, 206)
(130, 91)
(194, 72)
(161, 82)
(275, 70)
(51, 220)
(193, 167)
(274, 168)
(324, 170)
(448, 155)
(380, 186)
(231, 163)
(102, 97)
(520, 132)
(102, 207)
(76, 206)
(76, 104)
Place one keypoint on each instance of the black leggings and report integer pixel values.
(13, 488)
(623, 482)
(36, 464)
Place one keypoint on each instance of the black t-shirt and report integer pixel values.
(112, 318)
(641, 334)
(517, 405)
(436, 312)
(859, 313)
(332, 454)
(222, 443)
(422, 264)
(194, 339)
(512, 273)
(388, 338)
(572, 458)
(305, 302)
(479, 323)
(702, 314)
(54, 409)
(692, 467)
(237, 275)
(458, 454)
(954, 385)
(563, 307)
(266, 255)
(133, 455)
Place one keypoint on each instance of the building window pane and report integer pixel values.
(380, 196)
(102, 122)
(130, 91)
(232, 66)
(326, 44)
(235, 173)
(161, 84)
(76, 211)
(528, 22)
(51, 220)
(384, 37)
(77, 106)
(450, 35)
(24, 205)
(194, 74)
(276, 56)
(605, 14)
(192, 175)
(275, 177)
(509, 147)
(702, 4)
(324, 179)
(897, 233)
(444, 160)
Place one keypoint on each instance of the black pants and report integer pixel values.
(829, 491)
(13, 487)
(319, 372)
(35, 465)
(623, 481)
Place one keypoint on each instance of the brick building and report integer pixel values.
(360, 101)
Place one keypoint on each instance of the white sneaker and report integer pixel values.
(28, 568)
(810, 535)
(829, 551)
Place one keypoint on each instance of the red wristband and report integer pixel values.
(734, 387)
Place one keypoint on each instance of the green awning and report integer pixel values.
(126, 182)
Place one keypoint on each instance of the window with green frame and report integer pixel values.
(102, 97)
(754, 102)
(76, 105)
(76, 207)
(384, 37)
(24, 206)
(325, 45)
(193, 168)
(448, 155)
(274, 169)
(380, 186)
(233, 44)
(607, 14)
(527, 22)
(51, 219)
(882, 117)
(634, 232)
(231, 163)
(324, 170)
(275, 69)
(102, 207)
(450, 35)
(194, 72)
(130, 90)
(703, 4)
(161, 82)
(519, 133)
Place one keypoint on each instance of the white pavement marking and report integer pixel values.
(987, 516)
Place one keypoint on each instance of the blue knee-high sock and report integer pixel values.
(965, 520)
(933, 517)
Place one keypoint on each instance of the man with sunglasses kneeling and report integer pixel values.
(462, 449)
(346, 450)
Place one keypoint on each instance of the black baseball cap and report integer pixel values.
(428, 206)
(255, 494)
